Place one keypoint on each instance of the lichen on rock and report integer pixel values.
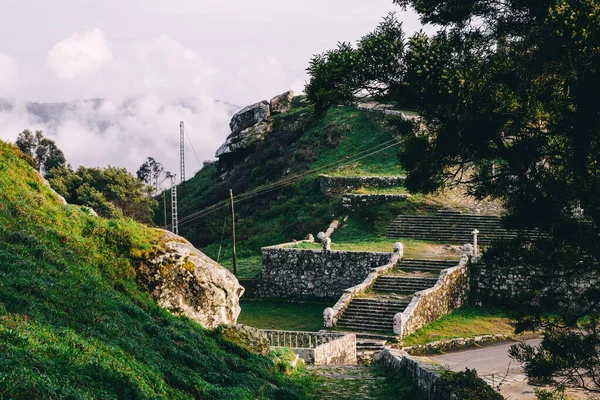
(186, 282)
(251, 339)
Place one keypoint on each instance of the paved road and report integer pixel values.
(492, 362)
(495, 367)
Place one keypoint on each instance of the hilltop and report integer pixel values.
(301, 146)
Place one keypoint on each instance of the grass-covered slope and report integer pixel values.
(73, 323)
(299, 143)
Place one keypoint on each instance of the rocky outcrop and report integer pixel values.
(252, 339)
(249, 116)
(186, 282)
(282, 103)
(252, 124)
(245, 139)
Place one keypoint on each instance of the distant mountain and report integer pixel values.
(51, 114)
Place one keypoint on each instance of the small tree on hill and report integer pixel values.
(42, 149)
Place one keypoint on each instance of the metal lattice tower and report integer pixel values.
(174, 219)
(182, 150)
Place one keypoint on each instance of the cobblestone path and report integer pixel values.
(350, 382)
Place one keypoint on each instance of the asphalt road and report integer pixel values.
(493, 365)
(491, 362)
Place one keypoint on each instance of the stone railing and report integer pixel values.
(332, 314)
(317, 347)
(425, 374)
(449, 293)
(299, 339)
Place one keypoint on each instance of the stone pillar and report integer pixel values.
(326, 244)
(398, 249)
(475, 248)
(328, 317)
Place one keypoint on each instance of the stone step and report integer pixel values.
(375, 301)
(404, 279)
(381, 326)
(370, 313)
(374, 310)
(376, 319)
(368, 328)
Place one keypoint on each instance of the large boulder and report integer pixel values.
(245, 139)
(249, 116)
(282, 103)
(186, 282)
(252, 339)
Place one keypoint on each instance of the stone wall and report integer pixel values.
(498, 285)
(319, 348)
(449, 293)
(425, 375)
(341, 351)
(331, 185)
(354, 202)
(304, 274)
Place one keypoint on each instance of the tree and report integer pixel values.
(151, 172)
(43, 150)
(372, 69)
(112, 192)
(507, 91)
(508, 94)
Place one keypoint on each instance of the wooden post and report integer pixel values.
(165, 207)
(233, 233)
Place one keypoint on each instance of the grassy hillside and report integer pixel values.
(299, 143)
(73, 323)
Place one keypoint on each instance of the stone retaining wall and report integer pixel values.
(442, 346)
(309, 274)
(449, 293)
(499, 285)
(332, 185)
(426, 375)
(354, 202)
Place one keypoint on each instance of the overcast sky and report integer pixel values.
(156, 50)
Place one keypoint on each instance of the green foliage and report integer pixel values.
(374, 68)
(112, 192)
(508, 92)
(468, 386)
(74, 324)
(44, 151)
(152, 173)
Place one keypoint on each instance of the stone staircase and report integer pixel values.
(449, 227)
(409, 264)
(371, 314)
(403, 284)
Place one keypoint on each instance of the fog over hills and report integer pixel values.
(98, 132)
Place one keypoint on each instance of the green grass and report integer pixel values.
(465, 322)
(283, 315)
(74, 323)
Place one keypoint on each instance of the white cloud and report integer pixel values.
(9, 74)
(81, 53)
(125, 134)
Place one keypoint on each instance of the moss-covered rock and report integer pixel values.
(187, 282)
(251, 339)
